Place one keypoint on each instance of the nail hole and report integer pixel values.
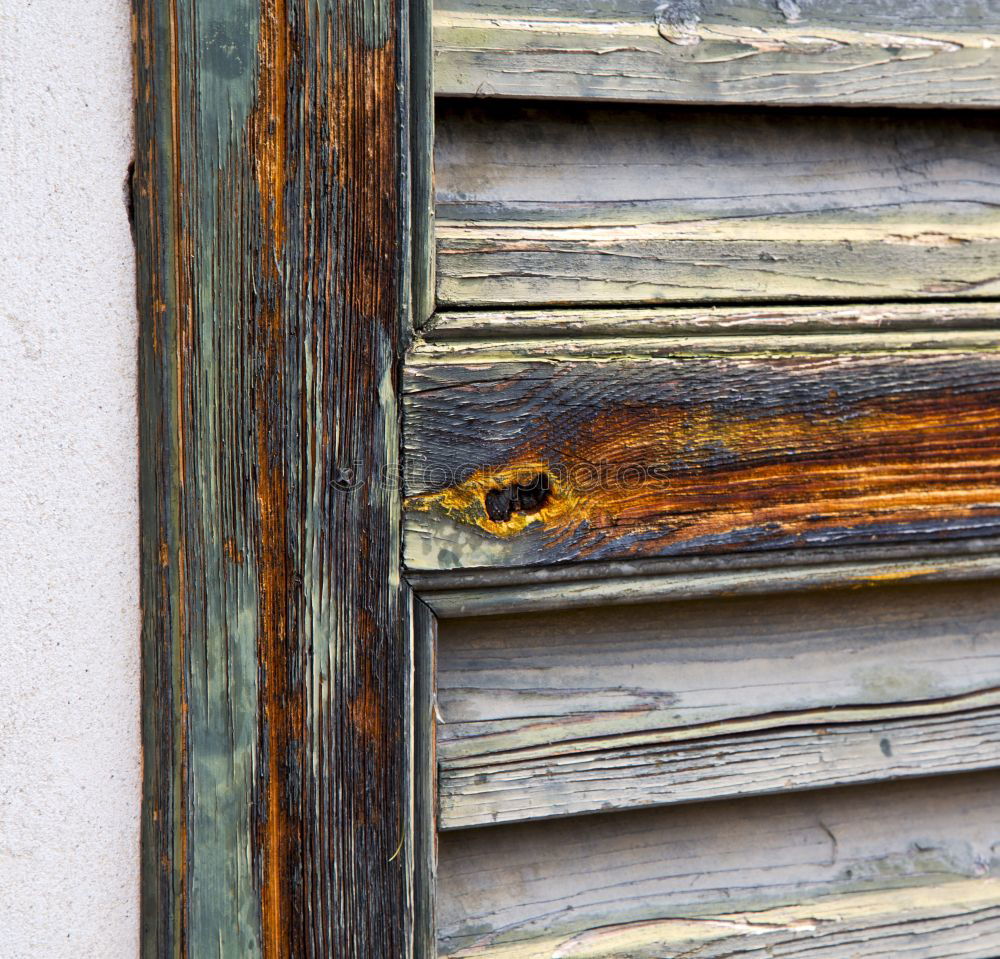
(527, 497)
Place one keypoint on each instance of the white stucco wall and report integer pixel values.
(69, 618)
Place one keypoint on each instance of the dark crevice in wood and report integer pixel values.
(527, 497)
(764, 303)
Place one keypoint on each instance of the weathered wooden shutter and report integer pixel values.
(702, 456)
(682, 638)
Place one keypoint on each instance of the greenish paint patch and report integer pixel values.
(224, 918)
(270, 216)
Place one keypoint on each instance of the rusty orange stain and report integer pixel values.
(268, 122)
(281, 712)
(691, 474)
(232, 552)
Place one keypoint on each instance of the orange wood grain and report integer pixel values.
(634, 473)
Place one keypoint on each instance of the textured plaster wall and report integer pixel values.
(69, 617)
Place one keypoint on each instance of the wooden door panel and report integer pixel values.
(907, 870)
(596, 450)
(538, 205)
(843, 52)
(568, 712)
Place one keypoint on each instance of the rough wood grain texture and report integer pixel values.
(488, 591)
(821, 749)
(590, 450)
(903, 870)
(944, 922)
(665, 321)
(647, 205)
(666, 586)
(841, 52)
(271, 232)
(548, 715)
(433, 581)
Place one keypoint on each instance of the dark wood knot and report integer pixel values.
(527, 497)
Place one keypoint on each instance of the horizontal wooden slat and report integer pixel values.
(843, 52)
(821, 749)
(906, 870)
(584, 591)
(679, 321)
(564, 713)
(686, 446)
(852, 560)
(948, 921)
(583, 205)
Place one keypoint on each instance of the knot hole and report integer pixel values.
(527, 496)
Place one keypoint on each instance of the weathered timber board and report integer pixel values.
(486, 591)
(555, 714)
(907, 870)
(821, 749)
(591, 205)
(842, 52)
(667, 321)
(422, 626)
(949, 921)
(271, 223)
(902, 555)
(421, 171)
(561, 451)
(582, 591)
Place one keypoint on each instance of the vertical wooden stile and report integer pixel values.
(272, 219)
(424, 626)
(422, 157)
